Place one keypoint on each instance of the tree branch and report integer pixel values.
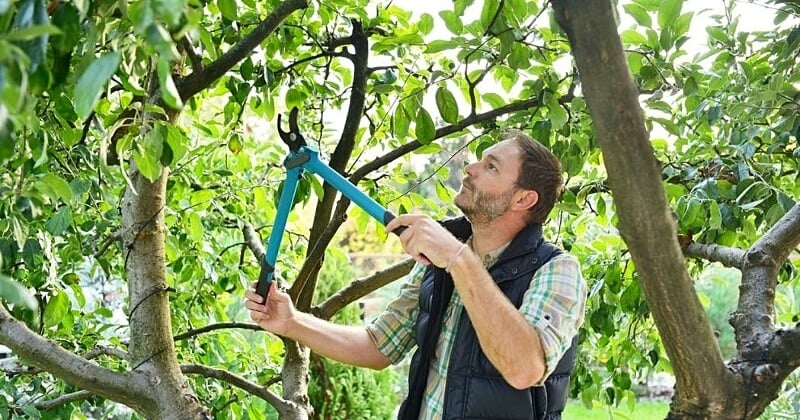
(201, 79)
(105, 351)
(186, 45)
(251, 387)
(753, 319)
(63, 399)
(362, 287)
(128, 388)
(253, 240)
(303, 288)
(728, 256)
(447, 130)
(214, 327)
(115, 236)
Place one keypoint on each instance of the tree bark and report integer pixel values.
(152, 349)
(702, 381)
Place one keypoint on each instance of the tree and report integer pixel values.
(767, 350)
(133, 147)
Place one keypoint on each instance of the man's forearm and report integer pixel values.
(508, 340)
(346, 344)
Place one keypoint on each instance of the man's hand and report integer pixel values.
(278, 313)
(427, 241)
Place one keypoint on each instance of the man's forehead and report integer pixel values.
(501, 151)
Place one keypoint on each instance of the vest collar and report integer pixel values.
(526, 241)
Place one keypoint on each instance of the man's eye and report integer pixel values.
(491, 167)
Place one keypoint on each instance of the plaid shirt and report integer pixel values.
(554, 304)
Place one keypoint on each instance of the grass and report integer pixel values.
(642, 411)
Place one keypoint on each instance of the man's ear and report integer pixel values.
(526, 199)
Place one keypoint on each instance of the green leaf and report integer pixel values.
(633, 37)
(493, 99)
(228, 9)
(488, 13)
(92, 82)
(668, 12)
(235, 144)
(169, 92)
(148, 155)
(639, 14)
(295, 97)
(177, 142)
(448, 107)
(558, 115)
(452, 21)
(442, 45)
(32, 32)
(400, 122)
(17, 294)
(58, 186)
(425, 23)
(56, 308)
(425, 129)
(443, 193)
(520, 57)
(60, 221)
(67, 20)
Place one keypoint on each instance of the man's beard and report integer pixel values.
(483, 207)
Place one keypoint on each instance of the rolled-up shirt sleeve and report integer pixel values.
(393, 330)
(555, 304)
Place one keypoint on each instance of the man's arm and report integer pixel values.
(347, 344)
(510, 341)
(503, 333)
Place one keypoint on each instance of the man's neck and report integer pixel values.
(487, 237)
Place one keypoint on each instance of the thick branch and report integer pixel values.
(303, 288)
(201, 79)
(127, 388)
(782, 238)
(727, 256)
(362, 287)
(753, 319)
(645, 220)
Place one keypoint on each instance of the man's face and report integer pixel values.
(489, 185)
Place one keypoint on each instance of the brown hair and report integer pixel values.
(540, 171)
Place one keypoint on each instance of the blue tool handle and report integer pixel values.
(388, 217)
(265, 279)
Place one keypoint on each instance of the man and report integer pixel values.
(490, 307)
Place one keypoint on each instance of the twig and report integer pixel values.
(115, 236)
(251, 387)
(213, 327)
(63, 399)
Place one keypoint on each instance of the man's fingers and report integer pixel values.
(254, 297)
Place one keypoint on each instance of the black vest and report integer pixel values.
(475, 389)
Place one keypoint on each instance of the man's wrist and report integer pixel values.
(461, 262)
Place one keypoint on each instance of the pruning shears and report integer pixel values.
(303, 157)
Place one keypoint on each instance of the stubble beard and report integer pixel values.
(482, 207)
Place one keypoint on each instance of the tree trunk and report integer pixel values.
(152, 350)
(704, 386)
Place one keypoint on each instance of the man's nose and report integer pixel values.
(469, 169)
